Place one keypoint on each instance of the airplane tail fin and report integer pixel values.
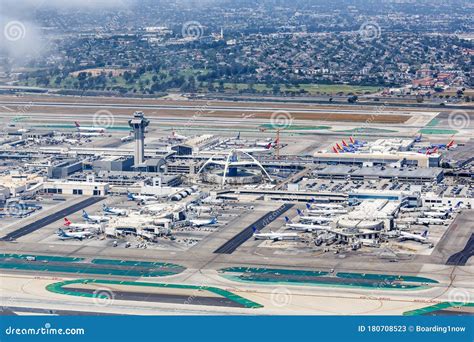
(77, 124)
(67, 222)
(308, 206)
(299, 212)
(425, 234)
(238, 136)
(130, 196)
(84, 214)
(351, 139)
(61, 232)
(255, 230)
(287, 220)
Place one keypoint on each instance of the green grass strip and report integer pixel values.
(436, 307)
(386, 277)
(437, 131)
(134, 263)
(434, 122)
(58, 288)
(40, 257)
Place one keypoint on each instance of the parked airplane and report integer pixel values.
(176, 136)
(444, 146)
(456, 208)
(72, 235)
(437, 214)
(357, 142)
(423, 237)
(81, 226)
(273, 236)
(314, 205)
(324, 211)
(428, 221)
(114, 211)
(141, 198)
(304, 227)
(90, 129)
(211, 200)
(317, 219)
(203, 222)
(250, 150)
(94, 218)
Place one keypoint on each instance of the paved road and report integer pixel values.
(230, 246)
(460, 258)
(165, 298)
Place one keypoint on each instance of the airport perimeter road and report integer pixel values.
(29, 228)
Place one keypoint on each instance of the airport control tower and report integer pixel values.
(138, 124)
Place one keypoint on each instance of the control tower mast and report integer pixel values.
(138, 123)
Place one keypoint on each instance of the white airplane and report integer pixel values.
(210, 200)
(114, 211)
(273, 236)
(81, 226)
(324, 206)
(62, 235)
(304, 227)
(436, 214)
(317, 219)
(250, 150)
(456, 208)
(324, 211)
(90, 129)
(176, 136)
(423, 237)
(201, 208)
(428, 221)
(141, 198)
(155, 208)
(94, 218)
(203, 222)
(126, 138)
